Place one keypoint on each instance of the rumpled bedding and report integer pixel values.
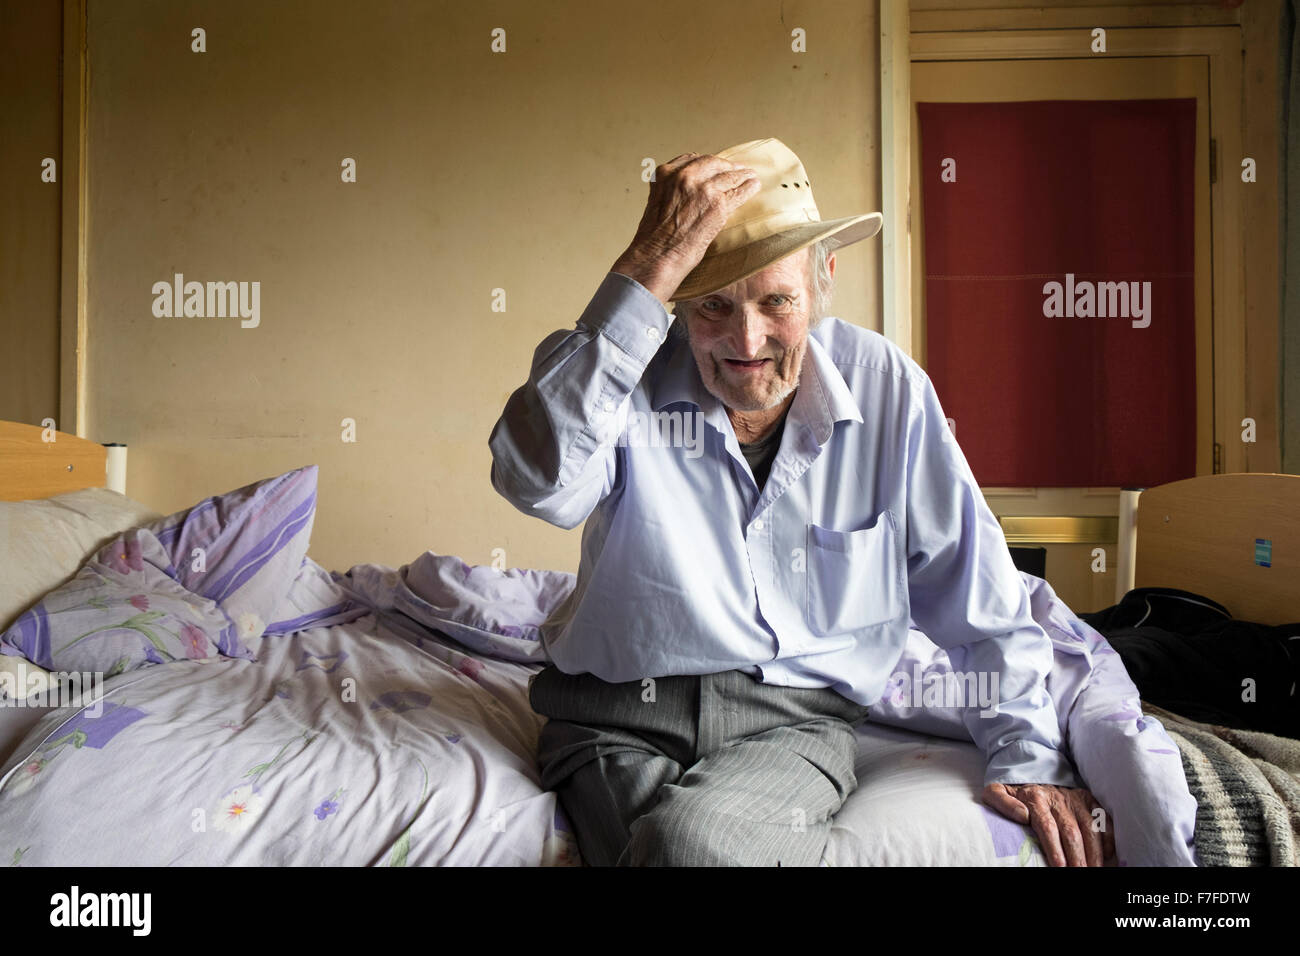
(391, 725)
(358, 739)
(1126, 759)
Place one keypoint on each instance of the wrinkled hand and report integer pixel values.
(690, 200)
(1062, 817)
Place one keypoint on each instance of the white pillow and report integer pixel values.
(44, 542)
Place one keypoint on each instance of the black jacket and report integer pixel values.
(1188, 655)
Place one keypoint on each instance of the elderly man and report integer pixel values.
(770, 497)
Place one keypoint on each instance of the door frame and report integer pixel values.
(1221, 45)
(74, 72)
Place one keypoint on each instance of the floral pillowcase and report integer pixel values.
(200, 583)
(122, 610)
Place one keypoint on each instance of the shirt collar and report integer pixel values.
(822, 398)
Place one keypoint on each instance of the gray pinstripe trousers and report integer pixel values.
(719, 770)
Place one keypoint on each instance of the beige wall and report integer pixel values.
(30, 38)
(476, 171)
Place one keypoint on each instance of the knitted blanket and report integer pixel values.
(1247, 789)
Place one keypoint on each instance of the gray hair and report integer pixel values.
(819, 283)
(820, 276)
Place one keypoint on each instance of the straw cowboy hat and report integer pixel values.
(779, 219)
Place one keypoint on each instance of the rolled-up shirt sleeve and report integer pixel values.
(552, 448)
(968, 598)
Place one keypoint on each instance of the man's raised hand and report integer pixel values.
(691, 199)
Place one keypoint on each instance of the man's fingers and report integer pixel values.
(1000, 799)
(708, 194)
(1061, 818)
(1049, 837)
(1067, 827)
(665, 172)
(1093, 842)
(700, 168)
(738, 184)
(709, 171)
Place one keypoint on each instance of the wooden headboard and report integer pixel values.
(31, 467)
(1233, 538)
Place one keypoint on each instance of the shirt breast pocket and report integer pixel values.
(855, 578)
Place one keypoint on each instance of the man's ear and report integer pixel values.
(830, 264)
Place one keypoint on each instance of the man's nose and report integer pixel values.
(751, 333)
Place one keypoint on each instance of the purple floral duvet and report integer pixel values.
(351, 744)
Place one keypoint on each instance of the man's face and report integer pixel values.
(749, 338)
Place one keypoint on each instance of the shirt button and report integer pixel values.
(651, 332)
(758, 525)
(609, 406)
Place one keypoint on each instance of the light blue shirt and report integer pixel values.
(869, 520)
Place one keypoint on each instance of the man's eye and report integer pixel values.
(784, 300)
(707, 305)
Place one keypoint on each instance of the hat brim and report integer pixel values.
(719, 271)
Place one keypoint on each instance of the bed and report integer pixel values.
(194, 689)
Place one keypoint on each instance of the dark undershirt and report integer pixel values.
(761, 453)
